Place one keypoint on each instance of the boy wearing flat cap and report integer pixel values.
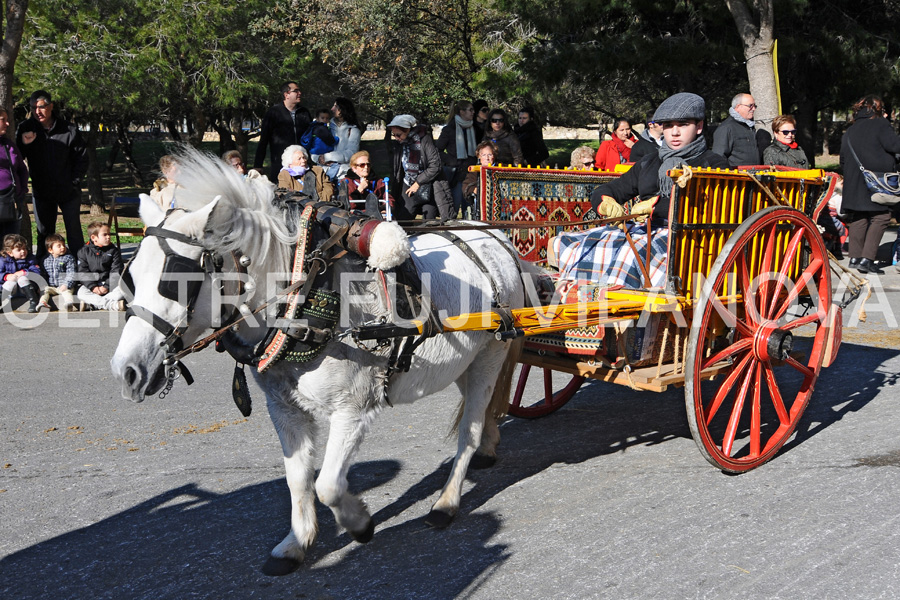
(605, 254)
(682, 118)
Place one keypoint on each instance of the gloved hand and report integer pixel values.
(643, 208)
(609, 208)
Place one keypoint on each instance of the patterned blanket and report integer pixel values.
(603, 255)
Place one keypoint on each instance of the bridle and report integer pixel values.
(181, 281)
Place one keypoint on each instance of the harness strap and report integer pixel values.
(280, 338)
(172, 334)
(470, 254)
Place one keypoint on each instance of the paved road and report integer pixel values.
(607, 498)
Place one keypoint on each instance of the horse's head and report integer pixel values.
(170, 278)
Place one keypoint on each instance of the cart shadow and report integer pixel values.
(845, 387)
(605, 419)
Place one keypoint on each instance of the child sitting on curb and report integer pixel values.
(99, 267)
(60, 269)
(17, 266)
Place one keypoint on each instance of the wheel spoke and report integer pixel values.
(801, 284)
(766, 265)
(788, 258)
(775, 393)
(726, 387)
(805, 320)
(737, 409)
(756, 417)
(735, 348)
(520, 386)
(750, 311)
(548, 386)
(807, 372)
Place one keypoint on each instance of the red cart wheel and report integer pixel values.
(753, 354)
(551, 400)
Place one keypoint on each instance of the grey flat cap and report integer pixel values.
(404, 121)
(683, 105)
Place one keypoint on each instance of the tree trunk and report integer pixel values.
(807, 130)
(755, 27)
(94, 183)
(9, 52)
(172, 126)
(128, 154)
(113, 154)
(197, 125)
(226, 142)
(241, 138)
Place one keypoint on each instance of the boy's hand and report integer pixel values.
(28, 137)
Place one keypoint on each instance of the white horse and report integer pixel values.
(344, 386)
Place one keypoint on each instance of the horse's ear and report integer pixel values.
(195, 223)
(151, 213)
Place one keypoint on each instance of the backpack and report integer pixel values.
(313, 143)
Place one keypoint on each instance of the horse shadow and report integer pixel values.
(190, 542)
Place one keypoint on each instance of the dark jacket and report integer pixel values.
(446, 145)
(736, 142)
(430, 171)
(642, 181)
(642, 148)
(278, 131)
(531, 140)
(780, 154)
(11, 161)
(57, 159)
(10, 265)
(875, 142)
(509, 151)
(99, 266)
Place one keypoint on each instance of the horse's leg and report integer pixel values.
(346, 432)
(297, 431)
(479, 384)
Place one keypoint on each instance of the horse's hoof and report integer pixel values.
(482, 461)
(276, 567)
(364, 536)
(438, 519)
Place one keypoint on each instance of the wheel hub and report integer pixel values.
(772, 343)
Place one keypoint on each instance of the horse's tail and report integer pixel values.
(499, 404)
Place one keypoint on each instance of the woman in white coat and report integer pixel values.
(345, 128)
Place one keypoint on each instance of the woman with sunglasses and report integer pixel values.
(497, 130)
(361, 185)
(784, 150)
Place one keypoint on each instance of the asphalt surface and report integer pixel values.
(607, 498)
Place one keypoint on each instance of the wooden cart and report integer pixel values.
(745, 322)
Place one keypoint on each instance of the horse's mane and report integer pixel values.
(244, 219)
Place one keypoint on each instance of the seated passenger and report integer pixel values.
(297, 176)
(604, 254)
(364, 193)
(582, 158)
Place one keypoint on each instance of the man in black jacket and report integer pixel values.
(57, 160)
(282, 126)
(648, 142)
(735, 138)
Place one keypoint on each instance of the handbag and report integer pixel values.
(884, 188)
(9, 209)
(423, 195)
